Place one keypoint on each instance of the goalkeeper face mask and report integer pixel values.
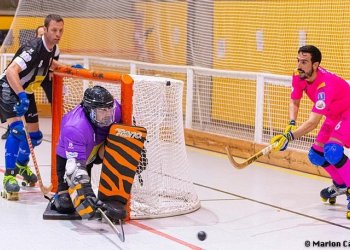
(103, 117)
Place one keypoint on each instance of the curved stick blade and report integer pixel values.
(233, 162)
(46, 190)
(251, 159)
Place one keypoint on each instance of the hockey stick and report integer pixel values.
(44, 190)
(251, 159)
(120, 234)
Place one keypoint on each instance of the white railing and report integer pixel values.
(189, 74)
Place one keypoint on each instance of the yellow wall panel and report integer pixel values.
(236, 24)
(5, 22)
(167, 25)
(229, 95)
(86, 36)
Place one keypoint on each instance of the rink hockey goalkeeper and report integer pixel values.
(90, 135)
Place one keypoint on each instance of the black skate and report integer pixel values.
(331, 193)
(11, 187)
(29, 178)
(113, 214)
(113, 210)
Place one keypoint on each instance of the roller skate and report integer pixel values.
(29, 178)
(11, 187)
(331, 193)
(348, 195)
(114, 212)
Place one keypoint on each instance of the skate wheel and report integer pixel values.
(9, 196)
(12, 196)
(332, 200)
(324, 199)
(348, 214)
(28, 184)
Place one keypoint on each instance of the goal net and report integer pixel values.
(162, 185)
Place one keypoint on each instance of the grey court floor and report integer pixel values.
(260, 207)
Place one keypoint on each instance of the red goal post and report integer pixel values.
(162, 185)
(126, 86)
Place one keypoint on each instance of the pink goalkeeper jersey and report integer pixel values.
(329, 93)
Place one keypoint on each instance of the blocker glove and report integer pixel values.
(23, 104)
(290, 127)
(282, 141)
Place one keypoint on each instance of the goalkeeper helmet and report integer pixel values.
(99, 105)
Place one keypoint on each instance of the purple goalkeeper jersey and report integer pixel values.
(79, 138)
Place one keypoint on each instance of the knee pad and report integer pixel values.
(334, 154)
(17, 130)
(317, 158)
(36, 138)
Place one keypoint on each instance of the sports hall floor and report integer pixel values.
(260, 207)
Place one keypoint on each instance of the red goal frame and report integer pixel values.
(60, 73)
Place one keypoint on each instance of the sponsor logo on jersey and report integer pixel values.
(32, 114)
(71, 155)
(321, 85)
(320, 103)
(4, 85)
(70, 145)
(321, 96)
(25, 56)
(125, 133)
(34, 84)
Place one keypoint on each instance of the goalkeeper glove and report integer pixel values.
(290, 127)
(282, 141)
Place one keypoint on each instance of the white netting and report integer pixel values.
(167, 186)
(164, 187)
(249, 38)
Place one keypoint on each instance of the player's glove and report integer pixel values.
(282, 141)
(290, 127)
(23, 104)
(77, 66)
